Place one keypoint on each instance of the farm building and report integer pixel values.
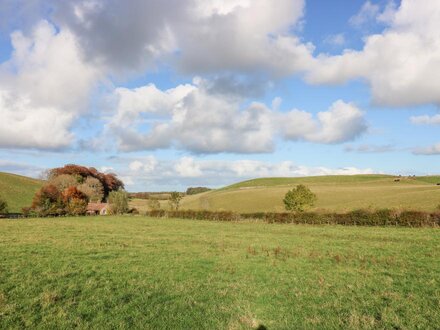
(97, 209)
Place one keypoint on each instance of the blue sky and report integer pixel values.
(178, 93)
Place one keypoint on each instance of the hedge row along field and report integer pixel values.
(384, 217)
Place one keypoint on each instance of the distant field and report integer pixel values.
(18, 190)
(137, 272)
(338, 193)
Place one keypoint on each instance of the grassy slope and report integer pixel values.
(124, 272)
(334, 193)
(18, 190)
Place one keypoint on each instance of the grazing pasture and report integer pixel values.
(18, 190)
(138, 272)
(335, 193)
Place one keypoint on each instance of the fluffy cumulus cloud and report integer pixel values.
(43, 88)
(402, 64)
(188, 171)
(196, 118)
(207, 35)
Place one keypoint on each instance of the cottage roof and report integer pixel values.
(96, 206)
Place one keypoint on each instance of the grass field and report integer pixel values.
(137, 272)
(18, 190)
(335, 193)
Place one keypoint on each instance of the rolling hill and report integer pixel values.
(338, 193)
(18, 190)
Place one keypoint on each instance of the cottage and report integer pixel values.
(97, 209)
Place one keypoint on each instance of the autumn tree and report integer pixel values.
(109, 181)
(93, 189)
(64, 181)
(48, 201)
(75, 201)
(299, 198)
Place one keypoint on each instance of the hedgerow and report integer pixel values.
(361, 217)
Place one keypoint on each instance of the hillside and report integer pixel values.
(18, 190)
(337, 193)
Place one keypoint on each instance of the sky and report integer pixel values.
(170, 94)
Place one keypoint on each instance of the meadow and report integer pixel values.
(334, 193)
(18, 190)
(138, 272)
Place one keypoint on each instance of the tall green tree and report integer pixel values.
(299, 199)
(118, 202)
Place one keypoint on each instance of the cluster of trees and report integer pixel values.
(108, 181)
(196, 190)
(70, 188)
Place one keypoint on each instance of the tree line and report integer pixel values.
(70, 188)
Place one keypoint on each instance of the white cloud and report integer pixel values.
(427, 151)
(189, 171)
(426, 120)
(366, 148)
(187, 167)
(147, 164)
(202, 121)
(335, 39)
(342, 122)
(368, 12)
(207, 36)
(402, 64)
(23, 125)
(43, 88)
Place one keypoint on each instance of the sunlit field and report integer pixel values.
(138, 272)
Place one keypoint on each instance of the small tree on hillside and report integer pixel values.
(3, 206)
(118, 201)
(175, 200)
(299, 198)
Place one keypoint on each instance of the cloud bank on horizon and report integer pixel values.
(194, 85)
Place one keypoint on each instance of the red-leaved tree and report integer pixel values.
(109, 181)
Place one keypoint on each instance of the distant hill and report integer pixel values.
(337, 192)
(18, 190)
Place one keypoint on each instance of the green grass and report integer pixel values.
(335, 193)
(137, 272)
(18, 190)
(325, 179)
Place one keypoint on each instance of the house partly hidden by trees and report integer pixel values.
(77, 190)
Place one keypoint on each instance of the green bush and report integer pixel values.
(118, 202)
(299, 199)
